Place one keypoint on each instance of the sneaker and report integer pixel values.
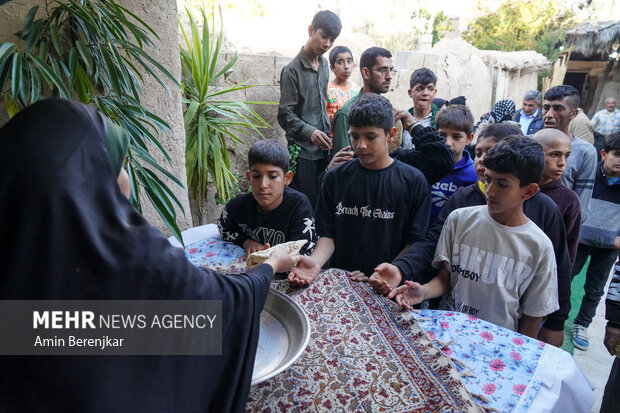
(580, 337)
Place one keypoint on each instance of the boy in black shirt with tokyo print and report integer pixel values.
(370, 208)
(273, 213)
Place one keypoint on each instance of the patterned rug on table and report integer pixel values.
(365, 354)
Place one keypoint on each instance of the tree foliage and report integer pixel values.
(524, 25)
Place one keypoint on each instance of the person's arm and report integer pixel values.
(431, 154)
(415, 263)
(228, 226)
(341, 129)
(414, 293)
(308, 268)
(612, 311)
(595, 120)
(528, 326)
(123, 183)
(302, 223)
(584, 179)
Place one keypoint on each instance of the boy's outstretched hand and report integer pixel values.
(407, 295)
(250, 246)
(281, 261)
(357, 275)
(385, 278)
(304, 272)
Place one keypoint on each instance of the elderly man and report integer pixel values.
(530, 116)
(607, 120)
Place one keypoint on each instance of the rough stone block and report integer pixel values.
(253, 69)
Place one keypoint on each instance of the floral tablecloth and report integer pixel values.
(366, 354)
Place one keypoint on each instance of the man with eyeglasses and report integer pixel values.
(377, 71)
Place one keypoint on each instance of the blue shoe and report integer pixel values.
(580, 337)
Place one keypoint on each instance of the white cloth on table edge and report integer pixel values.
(564, 385)
(195, 234)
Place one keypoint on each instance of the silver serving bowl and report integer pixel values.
(284, 335)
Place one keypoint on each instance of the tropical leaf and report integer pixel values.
(96, 51)
(212, 123)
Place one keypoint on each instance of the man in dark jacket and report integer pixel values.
(611, 397)
(530, 116)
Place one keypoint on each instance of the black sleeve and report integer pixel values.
(554, 228)
(324, 214)
(302, 222)
(612, 303)
(415, 263)
(228, 223)
(431, 154)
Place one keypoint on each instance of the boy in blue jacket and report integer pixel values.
(456, 124)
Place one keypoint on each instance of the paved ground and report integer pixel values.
(596, 361)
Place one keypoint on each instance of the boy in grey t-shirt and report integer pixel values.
(495, 263)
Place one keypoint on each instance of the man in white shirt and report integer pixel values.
(530, 116)
(607, 121)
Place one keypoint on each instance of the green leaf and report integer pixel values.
(6, 49)
(52, 77)
(28, 21)
(16, 74)
(55, 35)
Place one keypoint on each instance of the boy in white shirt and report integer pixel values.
(495, 263)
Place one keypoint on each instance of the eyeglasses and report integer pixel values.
(384, 70)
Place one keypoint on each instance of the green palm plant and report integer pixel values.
(212, 121)
(95, 51)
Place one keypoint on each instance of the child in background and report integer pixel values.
(272, 213)
(556, 145)
(600, 236)
(340, 90)
(456, 124)
(494, 262)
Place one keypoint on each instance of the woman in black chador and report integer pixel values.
(68, 233)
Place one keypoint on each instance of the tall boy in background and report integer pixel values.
(600, 237)
(456, 124)
(494, 263)
(370, 207)
(303, 98)
(272, 213)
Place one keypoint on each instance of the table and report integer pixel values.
(366, 354)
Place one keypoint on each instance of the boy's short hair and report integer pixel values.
(520, 156)
(336, 51)
(456, 117)
(270, 152)
(564, 91)
(328, 21)
(499, 131)
(611, 142)
(371, 110)
(422, 76)
(369, 56)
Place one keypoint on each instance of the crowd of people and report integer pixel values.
(491, 218)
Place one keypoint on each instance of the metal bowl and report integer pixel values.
(284, 335)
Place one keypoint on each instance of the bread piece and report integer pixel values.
(257, 258)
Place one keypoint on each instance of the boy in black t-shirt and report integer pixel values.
(371, 207)
(273, 213)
